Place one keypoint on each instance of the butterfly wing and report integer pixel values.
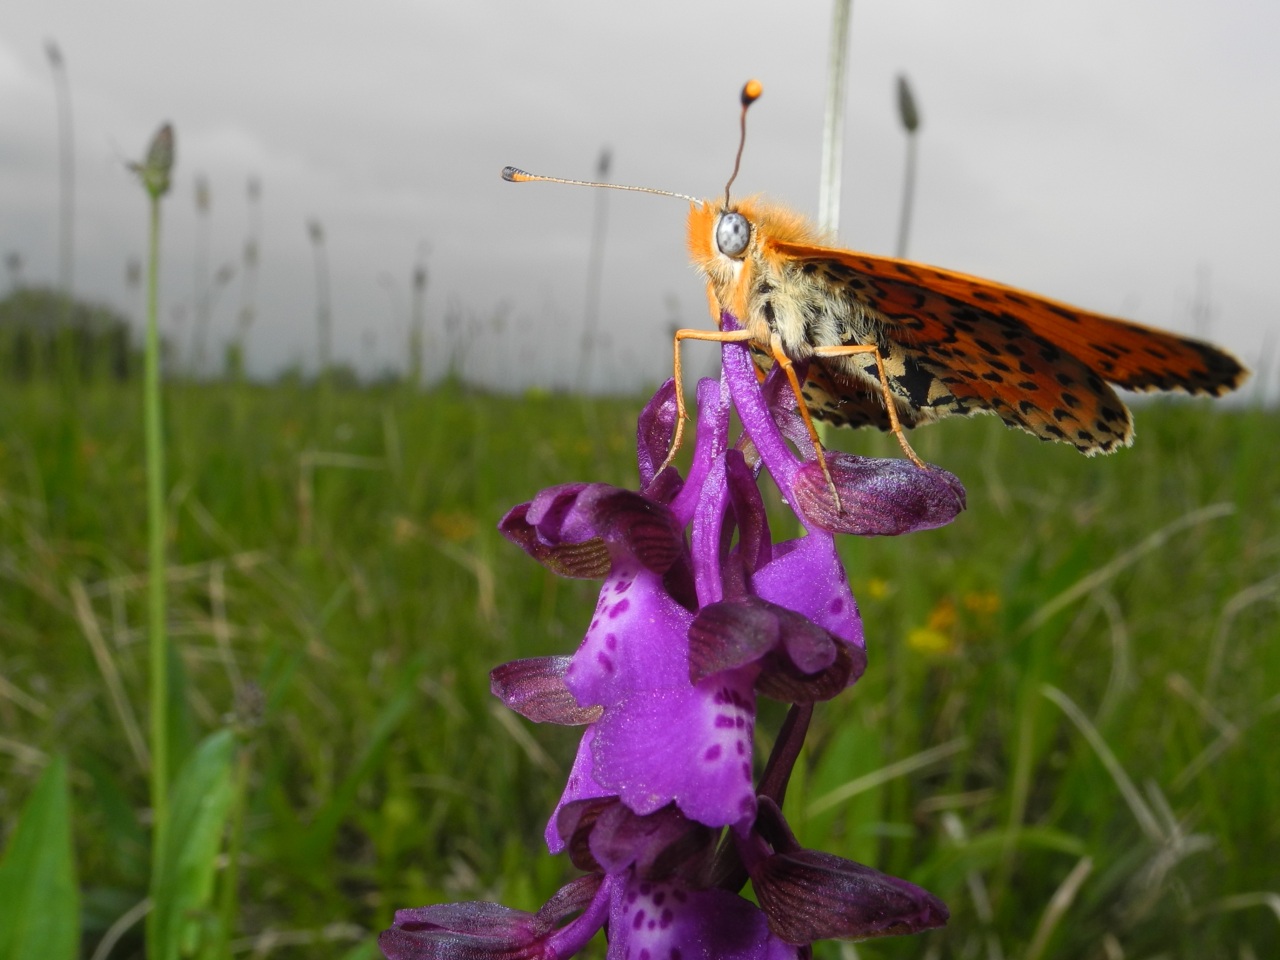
(956, 345)
(1127, 354)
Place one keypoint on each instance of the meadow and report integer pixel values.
(1067, 729)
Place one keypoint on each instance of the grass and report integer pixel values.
(1073, 689)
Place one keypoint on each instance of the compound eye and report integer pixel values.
(733, 233)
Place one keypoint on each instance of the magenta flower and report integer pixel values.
(699, 613)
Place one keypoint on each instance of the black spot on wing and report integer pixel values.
(914, 382)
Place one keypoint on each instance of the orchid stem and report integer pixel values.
(786, 750)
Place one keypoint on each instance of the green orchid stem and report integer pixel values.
(158, 644)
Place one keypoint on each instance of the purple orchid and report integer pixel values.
(700, 612)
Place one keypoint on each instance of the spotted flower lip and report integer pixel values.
(668, 920)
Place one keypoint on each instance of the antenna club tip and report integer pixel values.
(514, 175)
(751, 91)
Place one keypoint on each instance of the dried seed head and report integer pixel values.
(907, 109)
(154, 171)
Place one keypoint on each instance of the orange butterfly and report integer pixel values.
(893, 344)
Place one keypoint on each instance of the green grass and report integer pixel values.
(338, 593)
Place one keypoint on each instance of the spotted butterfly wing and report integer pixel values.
(958, 345)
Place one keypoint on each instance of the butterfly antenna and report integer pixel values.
(751, 91)
(516, 175)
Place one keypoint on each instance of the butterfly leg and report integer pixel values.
(715, 336)
(784, 361)
(895, 424)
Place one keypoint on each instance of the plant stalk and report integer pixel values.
(157, 640)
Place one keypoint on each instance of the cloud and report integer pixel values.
(1093, 151)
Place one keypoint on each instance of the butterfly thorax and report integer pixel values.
(771, 293)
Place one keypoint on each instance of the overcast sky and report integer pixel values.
(1116, 154)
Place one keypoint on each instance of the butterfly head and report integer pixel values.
(726, 241)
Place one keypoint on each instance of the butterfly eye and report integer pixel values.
(733, 233)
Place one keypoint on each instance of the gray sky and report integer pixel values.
(1116, 154)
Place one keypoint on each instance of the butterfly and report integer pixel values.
(870, 340)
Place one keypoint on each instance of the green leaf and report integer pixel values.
(39, 899)
(185, 857)
(366, 950)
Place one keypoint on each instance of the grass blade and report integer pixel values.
(183, 866)
(39, 899)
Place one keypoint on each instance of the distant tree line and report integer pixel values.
(45, 334)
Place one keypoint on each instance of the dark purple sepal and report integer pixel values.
(729, 635)
(479, 930)
(799, 661)
(628, 522)
(604, 835)
(780, 680)
(809, 895)
(579, 529)
(588, 560)
(574, 822)
(535, 689)
(654, 431)
(573, 898)
(878, 497)
(755, 546)
(476, 930)
(665, 487)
